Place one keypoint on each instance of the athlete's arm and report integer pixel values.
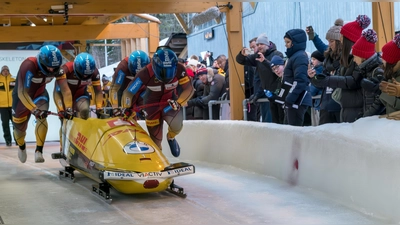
(134, 88)
(24, 80)
(186, 84)
(62, 82)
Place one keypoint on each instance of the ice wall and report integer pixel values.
(357, 164)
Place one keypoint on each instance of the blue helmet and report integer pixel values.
(84, 66)
(137, 60)
(164, 64)
(49, 57)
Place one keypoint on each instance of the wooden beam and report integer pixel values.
(94, 20)
(236, 71)
(35, 7)
(383, 22)
(78, 32)
(181, 22)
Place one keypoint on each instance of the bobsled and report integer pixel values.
(117, 154)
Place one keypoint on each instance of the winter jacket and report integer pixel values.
(348, 79)
(296, 68)
(330, 67)
(263, 69)
(370, 70)
(212, 91)
(7, 84)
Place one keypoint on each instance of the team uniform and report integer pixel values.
(80, 95)
(30, 96)
(157, 91)
(7, 84)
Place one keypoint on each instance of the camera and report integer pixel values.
(258, 56)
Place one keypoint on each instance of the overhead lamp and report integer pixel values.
(44, 18)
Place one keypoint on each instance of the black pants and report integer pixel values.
(295, 117)
(277, 112)
(6, 118)
(329, 117)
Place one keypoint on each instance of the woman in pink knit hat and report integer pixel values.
(391, 86)
(369, 63)
(348, 79)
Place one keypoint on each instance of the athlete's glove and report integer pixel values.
(174, 104)
(124, 113)
(117, 112)
(39, 114)
(68, 114)
(99, 112)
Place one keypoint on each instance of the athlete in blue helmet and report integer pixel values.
(124, 73)
(30, 97)
(160, 79)
(79, 74)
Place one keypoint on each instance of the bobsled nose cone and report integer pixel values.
(174, 146)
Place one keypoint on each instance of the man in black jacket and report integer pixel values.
(261, 60)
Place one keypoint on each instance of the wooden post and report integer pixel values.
(383, 22)
(154, 38)
(236, 71)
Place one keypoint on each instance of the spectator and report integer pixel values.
(369, 62)
(106, 85)
(298, 99)
(391, 86)
(261, 60)
(213, 90)
(249, 73)
(277, 96)
(329, 108)
(198, 83)
(348, 83)
(7, 82)
(316, 66)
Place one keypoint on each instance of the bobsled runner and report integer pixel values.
(117, 154)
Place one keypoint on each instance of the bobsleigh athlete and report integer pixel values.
(124, 73)
(30, 97)
(161, 79)
(79, 74)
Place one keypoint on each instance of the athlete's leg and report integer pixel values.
(20, 116)
(42, 103)
(154, 125)
(174, 119)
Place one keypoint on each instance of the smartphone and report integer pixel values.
(247, 51)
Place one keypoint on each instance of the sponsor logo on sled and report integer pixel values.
(137, 147)
(110, 175)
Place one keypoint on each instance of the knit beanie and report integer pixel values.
(334, 32)
(262, 39)
(318, 55)
(391, 50)
(277, 60)
(365, 45)
(352, 30)
(201, 71)
(4, 68)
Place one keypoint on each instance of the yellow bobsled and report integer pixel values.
(117, 154)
